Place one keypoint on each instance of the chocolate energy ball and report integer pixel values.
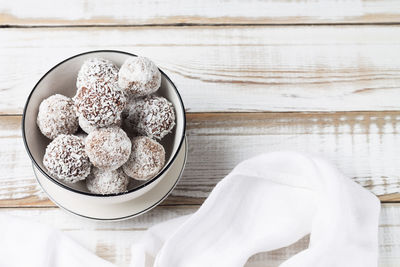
(146, 160)
(139, 76)
(152, 116)
(100, 105)
(66, 159)
(57, 116)
(108, 148)
(107, 182)
(96, 72)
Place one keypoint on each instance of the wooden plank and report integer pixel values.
(364, 145)
(222, 69)
(125, 12)
(112, 241)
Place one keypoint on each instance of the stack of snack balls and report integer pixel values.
(120, 119)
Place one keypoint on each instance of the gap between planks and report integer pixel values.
(177, 25)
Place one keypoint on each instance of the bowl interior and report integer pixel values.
(61, 80)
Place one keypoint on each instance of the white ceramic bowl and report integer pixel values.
(61, 79)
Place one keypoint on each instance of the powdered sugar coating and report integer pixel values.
(152, 116)
(87, 127)
(146, 160)
(100, 105)
(57, 115)
(96, 72)
(107, 182)
(139, 76)
(65, 158)
(108, 148)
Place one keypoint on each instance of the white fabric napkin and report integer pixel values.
(265, 203)
(269, 202)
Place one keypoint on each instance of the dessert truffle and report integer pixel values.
(66, 159)
(107, 182)
(146, 159)
(152, 116)
(108, 148)
(57, 115)
(139, 76)
(100, 105)
(96, 72)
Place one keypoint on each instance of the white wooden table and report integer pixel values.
(314, 76)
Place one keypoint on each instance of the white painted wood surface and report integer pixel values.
(126, 12)
(264, 57)
(279, 68)
(113, 240)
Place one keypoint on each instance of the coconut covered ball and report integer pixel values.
(65, 158)
(96, 72)
(108, 148)
(146, 160)
(152, 116)
(107, 182)
(139, 76)
(100, 105)
(57, 116)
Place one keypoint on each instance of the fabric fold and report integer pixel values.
(271, 201)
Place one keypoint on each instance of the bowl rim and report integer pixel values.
(54, 180)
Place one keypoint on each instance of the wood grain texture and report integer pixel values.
(219, 69)
(364, 145)
(126, 12)
(222, 67)
(112, 241)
